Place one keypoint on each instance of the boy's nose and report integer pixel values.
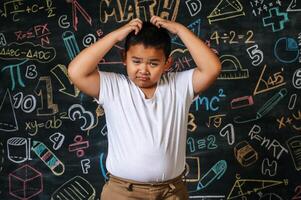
(143, 68)
(144, 72)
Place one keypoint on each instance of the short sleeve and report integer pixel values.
(108, 86)
(184, 84)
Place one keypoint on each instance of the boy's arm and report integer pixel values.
(208, 64)
(83, 70)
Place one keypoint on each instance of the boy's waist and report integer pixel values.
(146, 169)
(140, 184)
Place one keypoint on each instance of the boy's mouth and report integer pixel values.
(142, 78)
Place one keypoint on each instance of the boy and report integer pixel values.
(146, 111)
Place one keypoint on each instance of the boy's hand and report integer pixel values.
(171, 26)
(133, 25)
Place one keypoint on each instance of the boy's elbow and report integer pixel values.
(71, 71)
(218, 68)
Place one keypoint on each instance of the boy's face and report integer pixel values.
(146, 65)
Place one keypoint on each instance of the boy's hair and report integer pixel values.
(150, 36)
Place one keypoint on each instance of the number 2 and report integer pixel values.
(298, 191)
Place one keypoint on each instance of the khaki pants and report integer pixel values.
(123, 189)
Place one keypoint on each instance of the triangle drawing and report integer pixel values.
(226, 9)
(243, 187)
(294, 6)
(8, 121)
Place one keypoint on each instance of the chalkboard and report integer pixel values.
(244, 132)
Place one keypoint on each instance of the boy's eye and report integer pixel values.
(136, 61)
(153, 64)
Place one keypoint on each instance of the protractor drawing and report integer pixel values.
(232, 68)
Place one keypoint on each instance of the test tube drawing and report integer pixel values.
(48, 157)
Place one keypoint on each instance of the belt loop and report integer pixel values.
(184, 177)
(129, 186)
(107, 177)
(172, 187)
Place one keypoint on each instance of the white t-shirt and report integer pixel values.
(146, 137)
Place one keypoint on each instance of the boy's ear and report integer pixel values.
(168, 63)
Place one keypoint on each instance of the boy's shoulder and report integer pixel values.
(183, 73)
(112, 74)
(177, 77)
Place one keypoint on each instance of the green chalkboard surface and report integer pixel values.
(244, 132)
